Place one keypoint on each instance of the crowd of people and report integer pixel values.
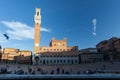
(56, 69)
(30, 69)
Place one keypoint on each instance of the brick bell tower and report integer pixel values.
(37, 19)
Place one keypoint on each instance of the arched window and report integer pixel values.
(64, 61)
(72, 61)
(75, 61)
(50, 61)
(68, 61)
(60, 61)
(43, 61)
(57, 61)
(37, 13)
(54, 61)
(47, 61)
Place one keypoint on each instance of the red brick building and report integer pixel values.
(12, 55)
(110, 48)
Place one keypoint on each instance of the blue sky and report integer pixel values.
(83, 22)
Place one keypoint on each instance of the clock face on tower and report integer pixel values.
(36, 44)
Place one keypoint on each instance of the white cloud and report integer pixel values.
(20, 31)
(44, 29)
(94, 33)
(94, 21)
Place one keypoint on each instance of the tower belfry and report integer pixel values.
(37, 19)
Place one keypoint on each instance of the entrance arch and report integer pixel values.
(37, 60)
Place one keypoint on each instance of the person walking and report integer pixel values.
(58, 70)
